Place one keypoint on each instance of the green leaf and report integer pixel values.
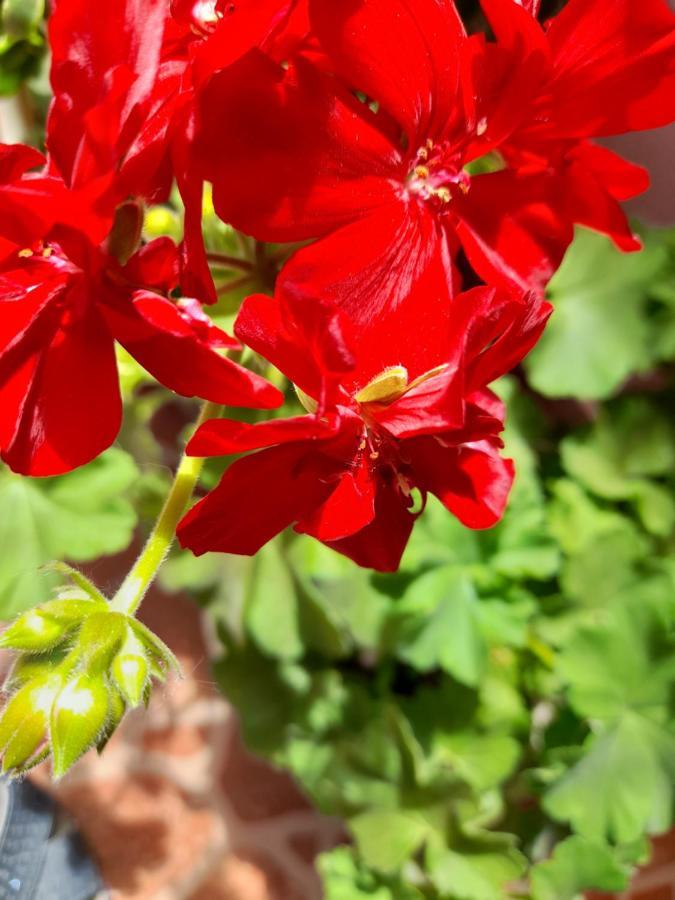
(616, 457)
(578, 865)
(386, 838)
(271, 605)
(625, 662)
(346, 878)
(599, 333)
(477, 868)
(79, 516)
(622, 786)
(440, 622)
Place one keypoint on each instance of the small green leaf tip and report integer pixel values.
(79, 666)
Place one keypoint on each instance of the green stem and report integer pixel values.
(135, 586)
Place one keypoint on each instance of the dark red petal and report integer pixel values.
(512, 229)
(623, 180)
(104, 63)
(615, 66)
(16, 160)
(155, 266)
(258, 497)
(304, 157)
(221, 437)
(589, 202)
(380, 545)
(392, 274)
(196, 278)
(350, 508)
(181, 351)
(306, 339)
(500, 330)
(402, 53)
(473, 482)
(243, 26)
(65, 400)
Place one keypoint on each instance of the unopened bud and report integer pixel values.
(100, 638)
(34, 632)
(79, 717)
(25, 721)
(130, 669)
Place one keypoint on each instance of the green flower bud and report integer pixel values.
(25, 721)
(34, 632)
(30, 668)
(79, 717)
(100, 638)
(130, 669)
(157, 649)
(115, 715)
(81, 665)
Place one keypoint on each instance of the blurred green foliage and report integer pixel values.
(22, 42)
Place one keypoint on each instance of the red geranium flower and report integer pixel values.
(68, 291)
(125, 77)
(348, 472)
(391, 184)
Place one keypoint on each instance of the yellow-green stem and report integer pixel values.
(135, 586)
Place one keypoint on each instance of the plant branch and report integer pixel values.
(230, 262)
(135, 586)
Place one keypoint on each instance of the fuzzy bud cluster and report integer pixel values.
(80, 666)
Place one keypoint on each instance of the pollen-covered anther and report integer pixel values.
(422, 172)
(26, 253)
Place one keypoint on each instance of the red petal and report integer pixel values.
(615, 66)
(155, 266)
(391, 273)
(246, 25)
(181, 351)
(16, 160)
(70, 409)
(104, 64)
(402, 53)
(380, 545)
(305, 157)
(473, 482)
(350, 508)
(258, 497)
(306, 339)
(590, 192)
(221, 437)
(512, 229)
(500, 330)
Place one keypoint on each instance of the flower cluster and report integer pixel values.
(432, 178)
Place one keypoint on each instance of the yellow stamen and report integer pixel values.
(25, 254)
(421, 171)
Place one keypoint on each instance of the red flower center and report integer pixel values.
(438, 174)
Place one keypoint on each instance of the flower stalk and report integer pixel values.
(135, 586)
